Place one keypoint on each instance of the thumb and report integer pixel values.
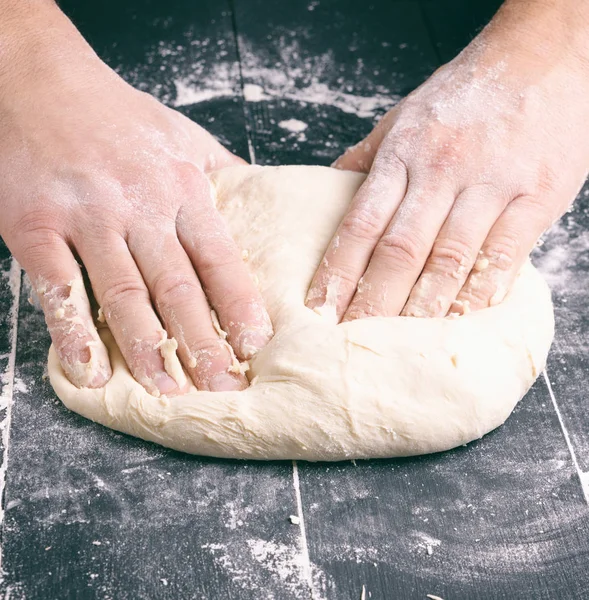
(216, 157)
(360, 157)
(211, 155)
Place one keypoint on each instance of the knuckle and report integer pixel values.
(187, 173)
(484, 288)
(450, 257)
(542, 209)
(547, 180)
(388, 158)
(336, 277)
(207, 356)
(38, 224)
(38, 252)
(447, 156)
(212, 347)
(477, 294)
(241, 305)
(220, 259)
(502, 251)
(362, 224)
(169, 289)
(499, 192)
(122, 292)
(401, 250)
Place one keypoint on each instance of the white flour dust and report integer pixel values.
(293, 125)
(252, 563)
(199, 70)
(564, 250)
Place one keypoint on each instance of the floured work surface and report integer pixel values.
(370, 388)
(91, 513)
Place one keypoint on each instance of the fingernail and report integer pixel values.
(314, 298)
(252, 340)
(223, 382)
(164, 383)
(101, 377)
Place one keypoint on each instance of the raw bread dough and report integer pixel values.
(377, 387)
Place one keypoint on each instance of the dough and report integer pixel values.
(377, 387)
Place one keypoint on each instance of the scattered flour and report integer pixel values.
(186, 94)
(564, 250)
(237, 515)
(293, 125)
(13, 277)
(252, 562)
(254, 93)
(296, 75)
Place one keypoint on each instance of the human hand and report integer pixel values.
(95, 171)
(464, 175)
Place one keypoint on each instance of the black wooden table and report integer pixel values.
(90, 513)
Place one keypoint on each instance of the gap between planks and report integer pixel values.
(15, 278)
(583, 477)
(307, 570)
(248, 129)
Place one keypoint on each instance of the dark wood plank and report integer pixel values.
(333, 65)
(9, 285)
(91, 513)
(454, 23)
(563, 259)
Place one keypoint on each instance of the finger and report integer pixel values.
(455, 252)
(349, 252)
(209, 154)
(506, 248)
(221, 270)
(401, 252)
(126, 305)
(57, 279)
(181, 303)
(361, 156)
(216, 156)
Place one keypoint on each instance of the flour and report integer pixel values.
(254, 93)
(296, 76)
(564, 251)
(13, 277)
(293, 125)
(237, 515)
(186, 94)
(252, 562)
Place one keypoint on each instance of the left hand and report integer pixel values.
(465, 174)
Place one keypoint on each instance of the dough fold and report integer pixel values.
(377, 387)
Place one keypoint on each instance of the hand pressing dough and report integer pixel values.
(377, 387)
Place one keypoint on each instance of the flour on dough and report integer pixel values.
(376, 387)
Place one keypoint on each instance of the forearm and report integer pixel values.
(544, 31)
(38, 45)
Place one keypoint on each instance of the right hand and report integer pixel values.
(92, 170)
